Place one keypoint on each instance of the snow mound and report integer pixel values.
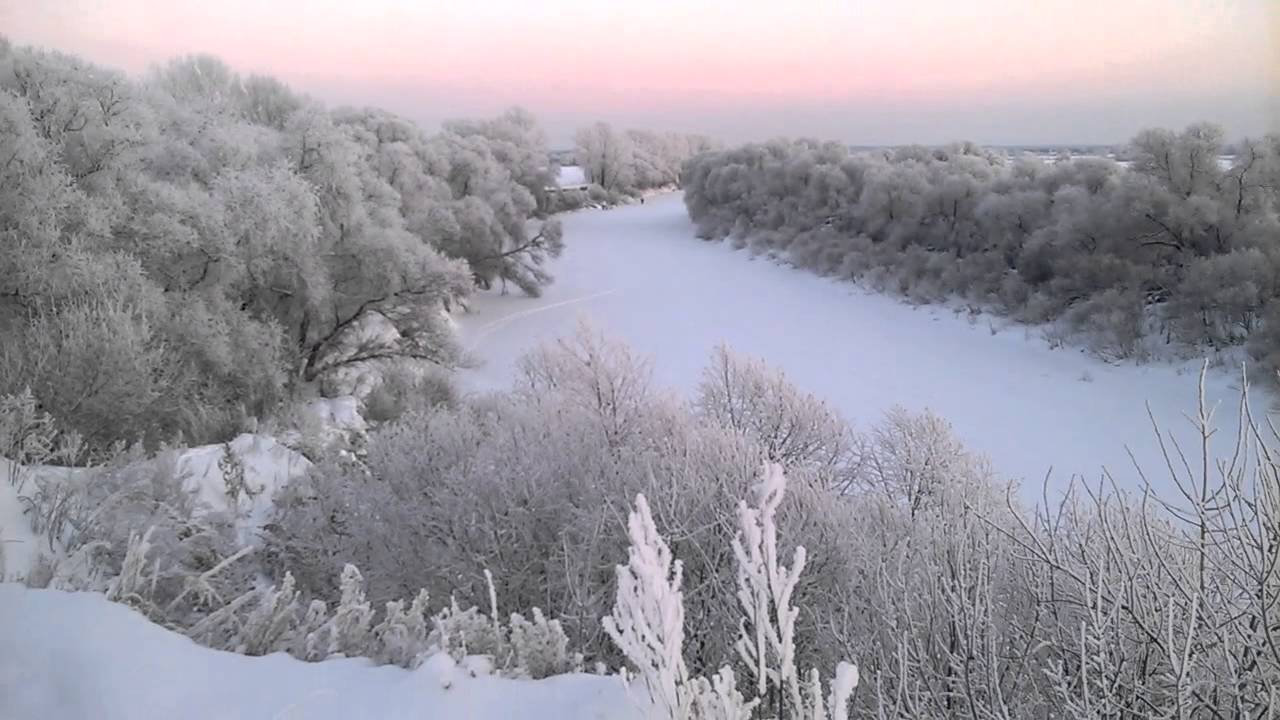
(267, 465)
(76, 655)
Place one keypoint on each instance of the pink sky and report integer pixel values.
(862, 71)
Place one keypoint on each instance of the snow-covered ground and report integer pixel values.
(75, 656)
(638, 273)
(19, 546)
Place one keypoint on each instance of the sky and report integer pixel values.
(867, 72)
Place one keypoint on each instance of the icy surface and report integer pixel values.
(638, 273)
(70, 656)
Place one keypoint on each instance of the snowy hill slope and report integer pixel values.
(639, 274)
(76, 655)
(267, 466)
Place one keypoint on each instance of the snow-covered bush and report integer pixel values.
(271, 620)
(916, 461)
(530, 485)
(796, 429)
(269, 625)
(404, 389)
(1198, 562)
(567, 200)
(541, 646)
(1113, 323)
(338, 513)
(353, 618)
(462, 632)
(402, 634)
(601, 376)
(134, 585)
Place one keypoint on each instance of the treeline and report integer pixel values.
(177, 250)
(1176, 247)
(626, 163)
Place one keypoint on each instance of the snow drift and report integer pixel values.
(76, 655)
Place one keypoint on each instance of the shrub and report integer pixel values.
(1113, 323)
(97, 365)
(406, 388)
(531, 485)
(795, 429)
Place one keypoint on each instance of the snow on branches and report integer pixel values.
(647, 623)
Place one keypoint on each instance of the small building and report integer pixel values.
(571, 177)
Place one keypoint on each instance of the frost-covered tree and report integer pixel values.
(234, 237)
(629, 162)
(605, 156)
(519, 144)
(795, 429)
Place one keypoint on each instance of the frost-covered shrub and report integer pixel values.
(133, 585)
(406, 388)
(97, 364)
(488, 484)
(29, 437)
(314, 635)
(271, 624)
(530, 485)
(916, 460)
(795, 428)
(337, 514)
(540, 645)
(468, 631)
(402, 634)
(602, 377)
(1264, 343)
(1113, 323)
(353, 618)
(858, 260)
(567, 200)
